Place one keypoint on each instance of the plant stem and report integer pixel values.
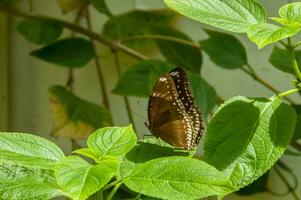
(296, 145)
(30, 3)
(76, 28)
(125, 98)
(253, 74)
(161, 37)
(291, 50)
(286, 183)
(70, 80)
(284, 94)
(111, 184)
(114, 190)
(98, 66)
(113, 44)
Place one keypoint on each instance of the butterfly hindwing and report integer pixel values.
(180, 79)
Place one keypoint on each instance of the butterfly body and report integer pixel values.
(172, 114)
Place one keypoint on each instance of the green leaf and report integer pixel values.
(135, 80)
(75, 117)
(28, 150)
(177, 53)
(7, 2)
(67, 6)
(168, 178)
(204, 94)
(18, 182)
(264, 34)
(224, 50)
(101, 6)
(113, 141)
(124, 26)
(282, 59)
(79, 179)
(89, 153)
(40, 31)
(297, 132)
(247, 136)
(259, 185)
(71, 52)
(149, 149)
(291, 12)
(230, 15)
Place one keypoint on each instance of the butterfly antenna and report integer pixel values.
(138, 115)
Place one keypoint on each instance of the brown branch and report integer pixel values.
(112, 44)
(264, 83)
(125, 98)
(282, 177)
(70, 80)
(161, 37)
(98, 65)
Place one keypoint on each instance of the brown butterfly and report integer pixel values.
(172, 113)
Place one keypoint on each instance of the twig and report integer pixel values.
(125, 98)
(286, 183)
(291, 50)
(76, 28)
(112, 44)
(286, 93)
(98, 65)
(264, 83)
(70, 80)
(114, 190)
(30, 3)
(161, 37)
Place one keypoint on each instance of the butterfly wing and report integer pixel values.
(166, 113)
(180, 79)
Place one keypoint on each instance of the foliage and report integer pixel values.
(245, 137)
(75, 117)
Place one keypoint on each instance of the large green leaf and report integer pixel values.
(148, 149)
(40, 31)
(177, 178)
(224, 50)
(247, 136)
(291, 12)
(113, 141)
(18, 182)
(79, 179)
(264, 34)
(230, 15)
(178, 53)
(101, 6)
(71, 52)
(28, 150)
(297, 133)
(138, 81)
(282, 59)
(75, 117)
(204, 94)
(136, 23)
(259, 185)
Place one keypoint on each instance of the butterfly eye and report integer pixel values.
(172, 115)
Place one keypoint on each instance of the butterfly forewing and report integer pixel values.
(171, 111)
(166, 113)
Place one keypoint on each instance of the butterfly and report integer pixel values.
(172, 114)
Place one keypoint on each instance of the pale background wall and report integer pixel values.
(26, 79)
